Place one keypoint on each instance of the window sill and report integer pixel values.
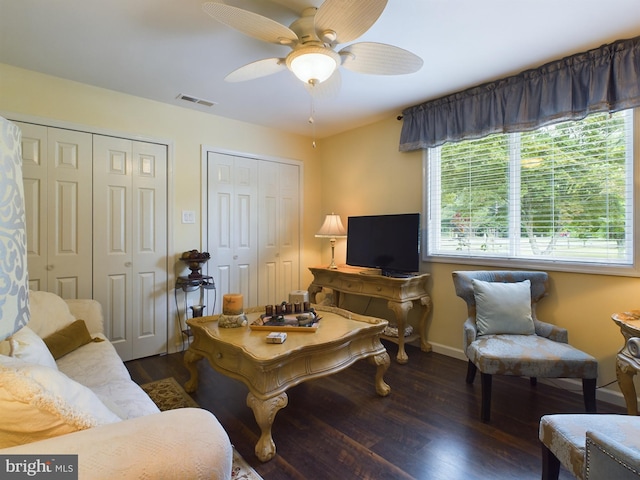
(526, 264)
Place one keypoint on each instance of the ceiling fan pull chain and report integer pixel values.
(313, 123)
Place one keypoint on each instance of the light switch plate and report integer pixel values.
(188, 216)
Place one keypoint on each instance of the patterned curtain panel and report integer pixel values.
(14, 287)
(601, 80)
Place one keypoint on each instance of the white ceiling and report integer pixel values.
(158, 49)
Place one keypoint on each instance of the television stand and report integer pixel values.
(392, 274)
(400, 294)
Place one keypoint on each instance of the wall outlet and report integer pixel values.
(188, 216)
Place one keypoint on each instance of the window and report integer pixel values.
(561, 194)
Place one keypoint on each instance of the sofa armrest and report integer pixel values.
(606, 458)
(88, 310)
(176, 444)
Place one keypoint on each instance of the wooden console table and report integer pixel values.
(400, 294)
(628, 365)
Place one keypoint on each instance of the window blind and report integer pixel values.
(562, 192)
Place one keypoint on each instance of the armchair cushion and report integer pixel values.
(503, 308)
(530, 356)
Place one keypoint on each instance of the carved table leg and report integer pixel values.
(382, 362)
(625, 373)
(401, 310)
(190, 360)
(265, 412)
(426, 308)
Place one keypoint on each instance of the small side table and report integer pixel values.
(626, 364)
(190, 284)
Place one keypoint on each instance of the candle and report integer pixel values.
(232, 304)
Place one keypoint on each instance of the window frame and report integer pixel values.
(632, 270)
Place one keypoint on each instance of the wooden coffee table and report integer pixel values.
(268, 370)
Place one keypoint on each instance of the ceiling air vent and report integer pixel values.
(199, 101)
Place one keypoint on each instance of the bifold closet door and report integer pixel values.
(232, 228)
(57, 172)
(253, 227)
(279, 227)
(130, 243)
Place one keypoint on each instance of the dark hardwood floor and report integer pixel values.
(428, 428)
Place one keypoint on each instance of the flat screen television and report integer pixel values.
(388, 242)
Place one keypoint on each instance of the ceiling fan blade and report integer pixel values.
(379, 59)
(250, 23)
(327, 89)
(348, 18)
(258, 69)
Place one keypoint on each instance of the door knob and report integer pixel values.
(128, 264)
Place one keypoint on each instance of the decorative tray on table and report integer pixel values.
(292, 322)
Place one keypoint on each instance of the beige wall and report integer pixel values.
(364, 173)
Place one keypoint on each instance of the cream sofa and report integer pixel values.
(85, 403)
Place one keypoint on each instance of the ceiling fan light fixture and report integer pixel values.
(313, 64)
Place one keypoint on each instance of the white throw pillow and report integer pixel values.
(28, 347)
(49, 313)
(503, 308)
(39, 402)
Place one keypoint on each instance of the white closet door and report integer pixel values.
(279, 227)
(232, 206)
(289, 235)
(57, 171)
(130, 249)
(149, 249)
(113, 259)
(34, 177)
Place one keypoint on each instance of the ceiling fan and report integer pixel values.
(313, 38)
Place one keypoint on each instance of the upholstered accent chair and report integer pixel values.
(503, 336)
(591, 447)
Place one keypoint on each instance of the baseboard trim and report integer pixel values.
(571, 385)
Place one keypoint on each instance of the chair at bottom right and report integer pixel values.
(591, 447)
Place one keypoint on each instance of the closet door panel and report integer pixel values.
(244, 231)
(115, 301)
(219, 228)
(268, 247)
(232, 206)
(279, 248)
(36, 241)
(57, 172)
(149, 323)
(150, 265)
(70, 250)
(34, 177)
(112, 246)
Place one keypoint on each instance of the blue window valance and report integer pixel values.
(603, 79)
